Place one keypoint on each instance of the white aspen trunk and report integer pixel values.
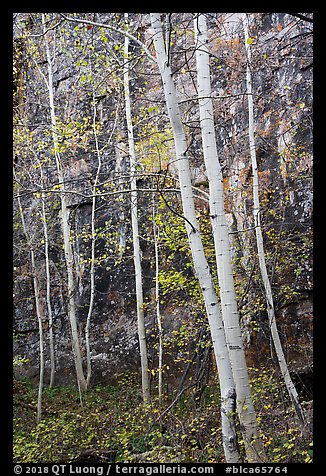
(259, 238)
(41, 339)
(48, 287)
(247, 417)
(92, 275)
(93, 241)
(37, 308)
(156, 233)
(82, 385)
(200, 263)
(135, 231)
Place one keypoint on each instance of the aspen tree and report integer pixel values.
(156, 233)
(135, 228)
(199, 259)
(69, 260)
(93, 241)
(245, 408)
(48, 283)
(38, 307)
(93, 237)
(259, 237)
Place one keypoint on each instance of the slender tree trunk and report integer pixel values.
(200, 263)
(48, 286)
(248, 422)
(82, 385)
(135, 231)
(41, 338)
(156, 233)
(260, 242)
(92, 267)
(93, 242)
(37, 308)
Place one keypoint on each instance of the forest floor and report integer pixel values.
(112, 425)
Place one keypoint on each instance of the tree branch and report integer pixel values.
(110, 27)
(302, 17)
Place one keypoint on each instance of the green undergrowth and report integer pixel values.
(112, 425)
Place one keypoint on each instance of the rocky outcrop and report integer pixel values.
(283, 97)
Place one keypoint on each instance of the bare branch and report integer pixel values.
(302, 17)
(113, 28)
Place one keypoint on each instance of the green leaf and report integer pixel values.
(249, 41)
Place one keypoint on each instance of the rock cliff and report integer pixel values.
(282, 83)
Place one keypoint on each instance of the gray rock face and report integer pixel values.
(283, 100)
